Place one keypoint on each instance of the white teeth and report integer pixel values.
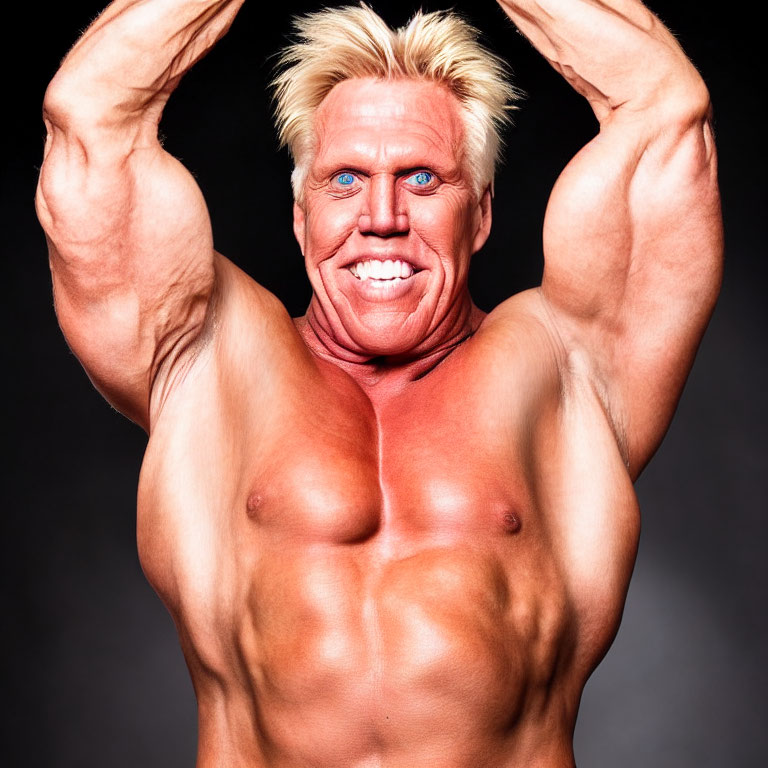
(375, 269)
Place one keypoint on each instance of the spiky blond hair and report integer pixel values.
(337, 44)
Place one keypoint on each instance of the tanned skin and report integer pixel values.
(395, 531)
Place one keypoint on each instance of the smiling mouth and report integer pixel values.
(382, 271)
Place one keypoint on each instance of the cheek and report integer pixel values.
(329, 224)
(445, 225)
(434, 217)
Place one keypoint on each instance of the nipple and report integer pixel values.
(511, 521)
(252, 505)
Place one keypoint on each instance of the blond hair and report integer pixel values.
(337, 44)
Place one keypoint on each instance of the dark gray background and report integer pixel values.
(92, 672)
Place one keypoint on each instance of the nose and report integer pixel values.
(380, 216)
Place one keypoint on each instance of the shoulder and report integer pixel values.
(536, 364)
(521, 329)
(514, 361)
(248, 336)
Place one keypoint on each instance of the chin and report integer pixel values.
(385, 338)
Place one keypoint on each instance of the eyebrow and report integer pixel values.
(350, 161)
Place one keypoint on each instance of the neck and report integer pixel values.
(389, 372)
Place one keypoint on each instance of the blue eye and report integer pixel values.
(345, 179)
(420, 179)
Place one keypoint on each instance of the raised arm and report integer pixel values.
(632, 234)
(129, 236)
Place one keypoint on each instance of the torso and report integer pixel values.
(422, 577)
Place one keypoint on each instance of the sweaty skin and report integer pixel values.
(396, 531)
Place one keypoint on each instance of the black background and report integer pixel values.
(93, 675)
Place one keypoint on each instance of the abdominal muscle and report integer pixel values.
(345, 659)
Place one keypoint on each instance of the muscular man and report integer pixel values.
(395, 531)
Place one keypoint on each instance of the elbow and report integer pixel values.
(688, 102)
(58, 102)
(65, 104)
(63, 168)
(666, 90)
(80, 109)
(85, 161)
(677, 122)
(680, 93)
(66, 150)
(71, 116)
(675, 86)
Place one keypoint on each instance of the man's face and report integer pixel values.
(390, 219)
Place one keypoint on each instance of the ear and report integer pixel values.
(299, 224)
(484, 217)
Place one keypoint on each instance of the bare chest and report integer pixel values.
(373, 555)
(414, 469)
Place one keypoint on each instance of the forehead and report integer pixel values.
(385, 122)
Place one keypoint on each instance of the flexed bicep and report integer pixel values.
(632, 233)
(129, 235)
(131, 257)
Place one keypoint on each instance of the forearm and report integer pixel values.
(118, 76)
(102, 156)
(616, 53)
(632, 235)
